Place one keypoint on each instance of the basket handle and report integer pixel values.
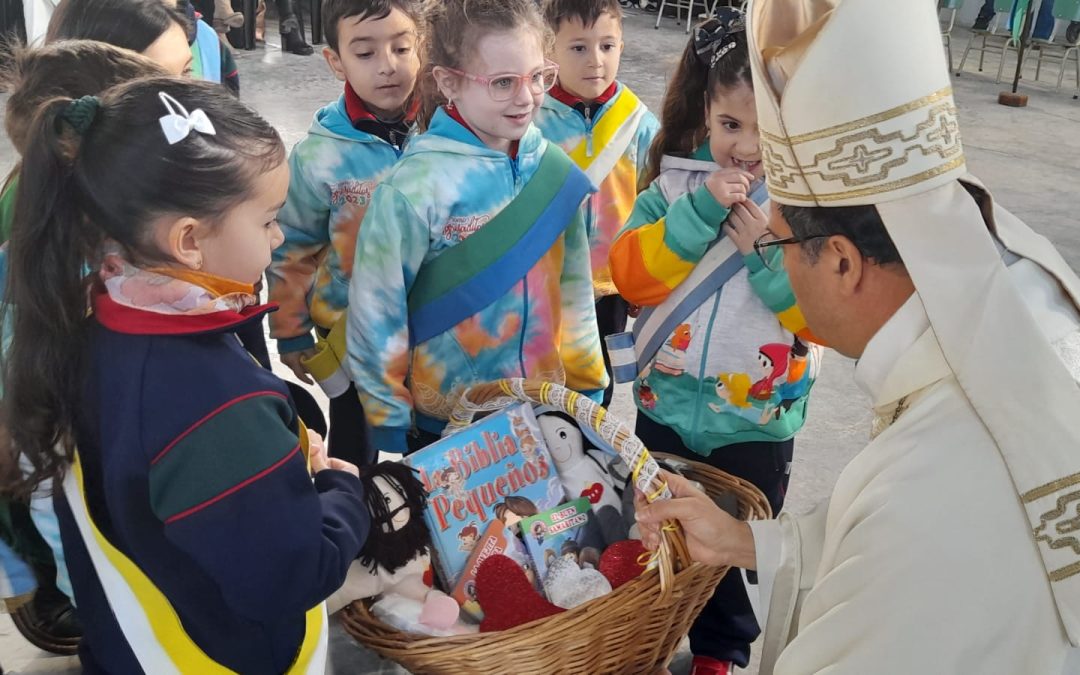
(672, 554)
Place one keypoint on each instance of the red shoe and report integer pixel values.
(706, 665)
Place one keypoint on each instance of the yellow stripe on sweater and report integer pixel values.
(612, 120)
(661, 262)
(162, 618)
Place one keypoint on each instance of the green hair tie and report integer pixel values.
(81, 112)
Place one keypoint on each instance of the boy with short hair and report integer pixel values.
(604, 128)
(352, 143)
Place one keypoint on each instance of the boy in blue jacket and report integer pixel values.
(351, 145)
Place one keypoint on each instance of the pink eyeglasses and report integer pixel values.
(503, 88)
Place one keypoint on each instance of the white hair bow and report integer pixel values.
(179, 123)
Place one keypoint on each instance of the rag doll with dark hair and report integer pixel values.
(395, 562)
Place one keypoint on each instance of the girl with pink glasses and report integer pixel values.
(472, 263)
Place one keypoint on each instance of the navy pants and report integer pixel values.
(348, 439)
(727, 626)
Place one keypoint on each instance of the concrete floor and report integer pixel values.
(1029, 157)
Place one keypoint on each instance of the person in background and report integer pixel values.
(149, 27)
(1044, 23)
(372, 47)
(212, 60)
(604, 128)
(70, 68)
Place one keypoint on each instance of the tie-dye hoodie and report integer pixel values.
(741, 366)
(334, 172)
(446, 187)
(572, 128)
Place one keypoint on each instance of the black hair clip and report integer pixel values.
(715, 37)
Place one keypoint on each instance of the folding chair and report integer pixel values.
(992, 41)
(1064, 50)
(952, 7)
(687, 5)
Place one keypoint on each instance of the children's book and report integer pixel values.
(495, 469)
(496, 540)
(569, 530)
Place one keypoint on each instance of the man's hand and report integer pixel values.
(320, 461)
(746, 223)
(713, 537)
(729, 186)
(292, 360)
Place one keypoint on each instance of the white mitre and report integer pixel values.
(855, 107)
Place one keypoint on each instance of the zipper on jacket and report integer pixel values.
(701, 373)
(524, 323)
(588, 132)
(515, 171)
(589, 153)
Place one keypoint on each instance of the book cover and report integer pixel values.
(569, 530)
(496, 540)
(495, 469)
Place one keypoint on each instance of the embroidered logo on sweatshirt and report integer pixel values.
(461, 227)
(351, 191)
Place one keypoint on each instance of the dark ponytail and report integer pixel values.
(94, 172)
(46, 253)
(716, 58)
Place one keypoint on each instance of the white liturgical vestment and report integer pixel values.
(922, 559)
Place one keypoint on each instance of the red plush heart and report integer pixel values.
(623, 561)
(507, 597)
(594, 492)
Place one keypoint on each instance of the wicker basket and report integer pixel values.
(634, 629)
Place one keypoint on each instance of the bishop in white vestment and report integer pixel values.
(951, 543)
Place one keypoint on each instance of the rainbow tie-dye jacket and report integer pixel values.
(583, 139)
(446, 187)
(334, 173)
(741, 366)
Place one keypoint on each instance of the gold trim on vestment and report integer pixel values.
(865, 121)
(886, 187)
(1050, 488)
(1065, 572)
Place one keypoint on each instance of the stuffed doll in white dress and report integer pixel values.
(584, 471)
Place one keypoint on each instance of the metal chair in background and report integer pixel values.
(952, 7)
(1060, 51)
(687, 5)
(991, 39)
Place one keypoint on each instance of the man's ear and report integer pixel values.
(846, 262)
(334, 61)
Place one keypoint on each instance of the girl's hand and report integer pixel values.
(316, 451)
(293, 361)
(729, 186)
(321, 461)
(746, 223)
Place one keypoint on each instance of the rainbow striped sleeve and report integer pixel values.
(661, 243)
(774, 289)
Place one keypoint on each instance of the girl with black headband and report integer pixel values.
(723, 372)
